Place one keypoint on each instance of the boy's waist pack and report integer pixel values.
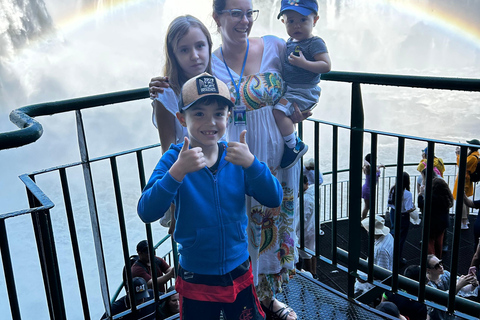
(475, 175)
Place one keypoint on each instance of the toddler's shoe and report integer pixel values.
(292, 155)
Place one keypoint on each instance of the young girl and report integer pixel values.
(188, 47)
(407, 207)
(366, 185)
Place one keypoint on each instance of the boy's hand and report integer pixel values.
(297, 115)
(238, 152)
(297, 61)
(189, 160)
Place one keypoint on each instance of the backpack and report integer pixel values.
(475, 175)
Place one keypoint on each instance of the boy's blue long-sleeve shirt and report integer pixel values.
(210, 212)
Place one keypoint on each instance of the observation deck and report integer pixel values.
(92, 195)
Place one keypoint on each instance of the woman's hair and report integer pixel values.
(368, 158)
(219, 5)
(406, 185)
(429, 258)
(177, 29)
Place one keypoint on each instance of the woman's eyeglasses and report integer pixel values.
(438, 265)
(238, 14)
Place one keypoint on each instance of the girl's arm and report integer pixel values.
(165, 125)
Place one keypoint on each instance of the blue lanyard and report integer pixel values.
(237, 86)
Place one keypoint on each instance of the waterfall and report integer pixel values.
(21, 22)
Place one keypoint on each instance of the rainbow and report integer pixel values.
(440, 18)
(456, 25)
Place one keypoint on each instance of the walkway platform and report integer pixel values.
(312, 299)
(330, 276)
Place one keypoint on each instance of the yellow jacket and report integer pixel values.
(472, 160)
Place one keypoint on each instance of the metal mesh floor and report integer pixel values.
(312, 300)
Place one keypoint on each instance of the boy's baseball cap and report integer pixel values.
(140, 287)
(203, 85)
(304, 7)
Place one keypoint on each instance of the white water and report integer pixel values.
(122, 48)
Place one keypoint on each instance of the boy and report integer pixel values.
(306, 57)
(208, 181)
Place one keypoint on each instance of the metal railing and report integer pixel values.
(346, 195)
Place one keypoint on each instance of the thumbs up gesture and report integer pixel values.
(189, 160)
(238, 152)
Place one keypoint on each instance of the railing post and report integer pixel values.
(74, 240)
(92, 206)
(373, 190)
(334, 199)
(42, 226)
(8, 272)
(398, 213)
(427, 218)
(355, 178)
(462, 170)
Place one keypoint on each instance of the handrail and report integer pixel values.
(31, 130)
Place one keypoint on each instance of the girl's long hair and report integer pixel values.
(406, 185)
(177, 29)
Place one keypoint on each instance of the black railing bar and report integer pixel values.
(371, 216)
(462, 84)
(31, 130)
(44, 239)
(93, 213)
(462, 170)
(105, 157)
(45, 202)
(141, 169)
(397, 255)
(435, 295)
(355, 184)
(316, 166)
(148, 230)
(301, 221)
(394, 135)
(8, 272)
(334, 199)
(123, 229)
(74, 240)
(427, 218)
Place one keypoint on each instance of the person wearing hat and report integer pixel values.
(143, 268)
(472, 161)
(439, 167)
(391, 309)
(383, 247)
(306, 58)
(382, 252)
(142, 294)
(309, 171)
(208, 181)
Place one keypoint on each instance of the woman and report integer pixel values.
(442, 201)
(406, 208)
(472, 159)
(366, 184)
(439, 278)
(256, 62)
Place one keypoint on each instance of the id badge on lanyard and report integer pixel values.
(239, 115)
(239, 112)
